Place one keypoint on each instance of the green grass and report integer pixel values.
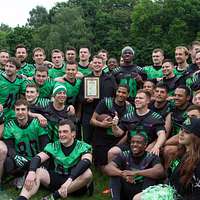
(100, 183)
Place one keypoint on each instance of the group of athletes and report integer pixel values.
(141, 130)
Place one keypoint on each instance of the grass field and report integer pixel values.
(100, 183)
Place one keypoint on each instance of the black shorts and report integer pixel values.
(10, 168)
(56, 180)
(100, 155)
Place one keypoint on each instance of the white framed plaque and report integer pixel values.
(91, 87)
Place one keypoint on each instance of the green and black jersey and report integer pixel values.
(151, 123)
(10, 92)
(27, 70)
(127, 75)
(62, 162)
(153, 72)
(72, 89)
(108, 106)
(26, 139)
(194, 82)
(39, 105)
(85, 70)
(178, 116)
(57, 72)
(45, 90)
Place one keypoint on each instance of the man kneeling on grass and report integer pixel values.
(135, 169)
(70, 174)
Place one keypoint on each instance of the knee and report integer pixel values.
(113, 152)
(137, 197)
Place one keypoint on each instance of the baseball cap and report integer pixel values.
(192, 125)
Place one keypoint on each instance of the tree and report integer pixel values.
(163, 26)
(38, 17)
(20, 35)
(67, 29)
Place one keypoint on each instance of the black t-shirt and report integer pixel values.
(172, 83)
(192, 191)
(126, 161)
(104, 136)
(164, 111)
(151, 123)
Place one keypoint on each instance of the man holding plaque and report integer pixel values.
(94, 87)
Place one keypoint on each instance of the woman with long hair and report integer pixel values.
(185, 178)
(186, 175)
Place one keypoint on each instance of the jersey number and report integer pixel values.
(24, 148)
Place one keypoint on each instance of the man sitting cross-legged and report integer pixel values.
(71, 173)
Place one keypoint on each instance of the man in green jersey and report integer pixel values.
(71, 158)
(57, 58)
(12, 86)
(71, 83)
(39, 56)
(44, 84)
(36, 103)
(155, 71)
(83, 65)
(70, 55)
(181, 56)
(24, 138)
(4, 56)
(21, 54)
(104, 54)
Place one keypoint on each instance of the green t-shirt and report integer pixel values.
(152, 72)
(57, 72)
(27, 70)
(62, 162)
(27, 138)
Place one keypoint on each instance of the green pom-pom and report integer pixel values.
(159, 192)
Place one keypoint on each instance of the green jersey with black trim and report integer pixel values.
(57, 72)
(106, 69)
(26, 138)
(27, 70)
(179, 72)
(63, 163)
(84, 70)
(10, 92)
(153, 72)
(39, 105)
(45, 90)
